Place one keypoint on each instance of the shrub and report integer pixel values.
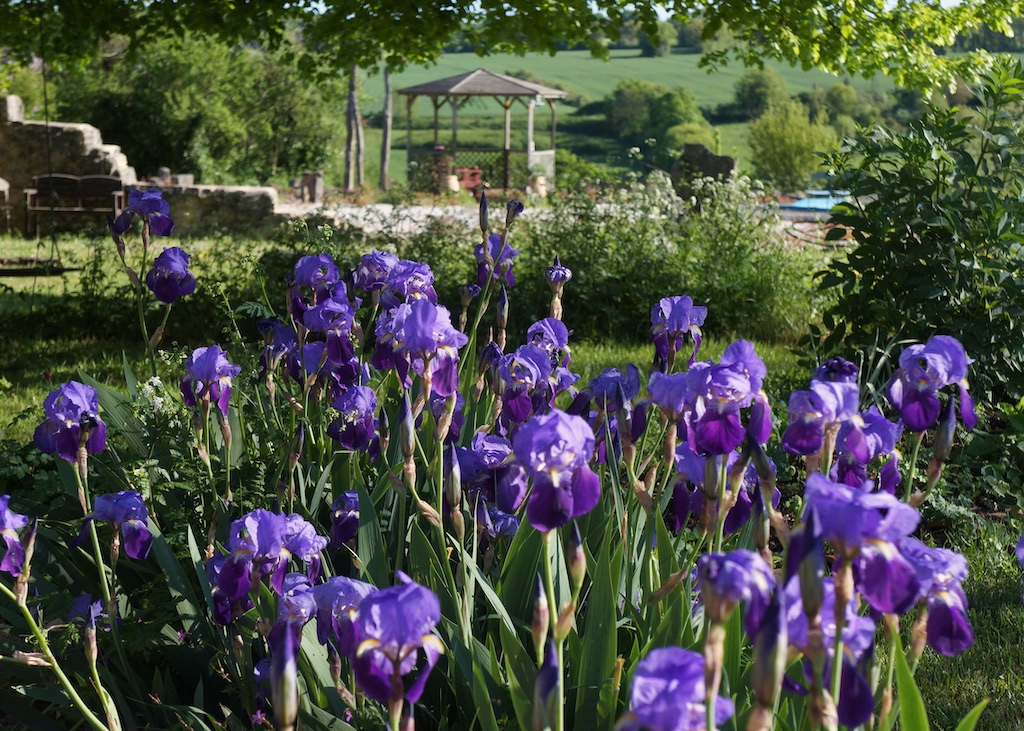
(638, 110)
(759, 89)
(642, 240)
(785, 145)
(938, 226)
(661, 44)
(227, 114)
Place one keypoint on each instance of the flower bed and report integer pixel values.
(392, 515)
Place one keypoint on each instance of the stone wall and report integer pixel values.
(75, 149)
(78, 149)
(200, 210)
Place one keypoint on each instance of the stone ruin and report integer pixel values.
(78, 149)
(698, 161)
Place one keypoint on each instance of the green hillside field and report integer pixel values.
(596, 78)
(480, 121)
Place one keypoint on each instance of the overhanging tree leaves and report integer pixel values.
(868, 36)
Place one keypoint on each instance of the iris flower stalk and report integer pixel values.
(69, 686)
(153, 211)
(558, 720)
(513, 209)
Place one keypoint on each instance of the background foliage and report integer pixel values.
(938, 223)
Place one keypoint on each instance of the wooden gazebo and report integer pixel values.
(501, 167)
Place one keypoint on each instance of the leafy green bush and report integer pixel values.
(637, 243)
(638, 109)
(786, 144)
(759, 89)
(229, 115)
(938, 225)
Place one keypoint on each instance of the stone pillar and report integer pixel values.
(13, 110)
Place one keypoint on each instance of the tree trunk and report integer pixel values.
(360, 142)
(351, 118)
(385, 143)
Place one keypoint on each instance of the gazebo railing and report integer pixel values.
(498, 168)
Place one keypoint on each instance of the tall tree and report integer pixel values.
(353, 139)
(898, 37)
(388, 120)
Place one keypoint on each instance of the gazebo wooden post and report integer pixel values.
(408, 134)
(455, 129)
(507, 151)
(554, 122)
(529, 127)
(437, 106)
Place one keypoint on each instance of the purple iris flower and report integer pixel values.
(878, 439)
(419, 335)
(344, 518)
(671, 392)
(606, 388)
(672, 319)
(525, 371)
(813, 412)
(837, 370)
(554, 449)
(408, 281)
(337, 606)
(726, 579)
(84, 611)
(208, 375)
(924, 369)
(690, 467)
(552, 336)
(316, 271)
(280, 341)
(148, 205)
(261, 544)
(72, 412)
(439, 405)
(557, 274)
(856, 703)
(373, 270)
(10, 524)
(495, 522)
(941, 573)
(333, 314)
(864, 526)
(719, 392)
(295, 607)
(488, 476)
(356, 425)
(501, 256)
(127, 512)
(668, 694)
(849, 516)
(394, 627)
(170, 279)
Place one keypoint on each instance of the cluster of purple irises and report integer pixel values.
(717, 419)
(868, 528)
(387, 634)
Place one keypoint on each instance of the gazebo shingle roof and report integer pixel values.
(482, 82)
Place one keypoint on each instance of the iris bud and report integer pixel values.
(577, 558)
(541, 619)
(453, 479)
(483, 214)
(944, 433)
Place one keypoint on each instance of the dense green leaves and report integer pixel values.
(938, 225)
(899, 38)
